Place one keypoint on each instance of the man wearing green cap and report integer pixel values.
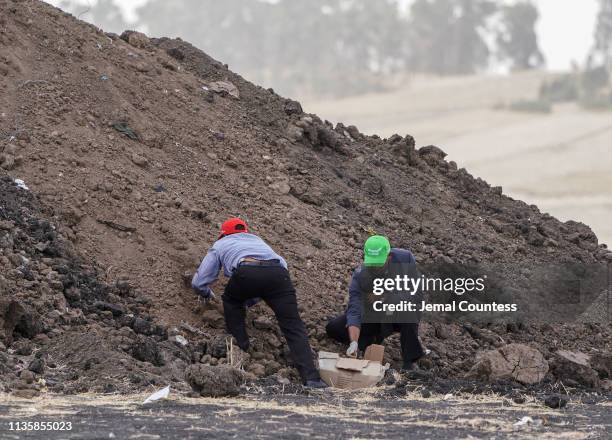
(380, 261)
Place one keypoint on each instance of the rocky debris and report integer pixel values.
(391, 377)
(556, 401)
(257, 369)
(280, 185)
(326, 137)
(59, 312)
(405, 149)
(213, 318)
(602, 363)
(484, 335)
(432, 154)
(136, 39)
(293, 107)
(514, 361)
(217, 347)
(139, 160)
(224, 88)
(11, 313)
(37, 365)
(214, 381)
(146, 350)
(263, 323)
(574, 368)
(294, 133)
(10, 161)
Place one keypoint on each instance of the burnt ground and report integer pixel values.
(321, 415)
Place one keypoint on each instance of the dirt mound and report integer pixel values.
(63, 323)
(214, 381)
(142, 146)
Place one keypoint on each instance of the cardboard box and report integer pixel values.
(348, 373)
(375, 352)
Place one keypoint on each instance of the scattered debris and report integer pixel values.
(117, 226)
(158, 395)
(425, 393)
(224, 87)
(181, 340)
(526, 420)
(556, 401)
(21, 184)
(122, 127)
(214, 381)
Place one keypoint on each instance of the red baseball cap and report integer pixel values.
(233, 226)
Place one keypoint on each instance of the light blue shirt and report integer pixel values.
(227, 252)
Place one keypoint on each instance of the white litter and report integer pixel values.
(448, 396)
(161, 394)
(524, 421)
(21, 184)
(181, 340)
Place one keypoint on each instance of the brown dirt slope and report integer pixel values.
(140, 159)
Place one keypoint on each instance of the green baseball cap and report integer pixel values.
(376, 250)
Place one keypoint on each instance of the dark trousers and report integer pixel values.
(274, 286)
(376, 334)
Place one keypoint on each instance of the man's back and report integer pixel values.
(233, 248)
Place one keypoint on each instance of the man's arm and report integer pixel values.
(207, 273)
(353, 311)
(354, 333)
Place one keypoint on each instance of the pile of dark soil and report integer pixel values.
(65, 328)
(140, 147)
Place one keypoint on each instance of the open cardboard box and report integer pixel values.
(349, 373)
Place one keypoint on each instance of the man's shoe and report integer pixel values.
(318, 383)
(408, 366)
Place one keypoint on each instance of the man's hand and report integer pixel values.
(352, 349)
(208, 297)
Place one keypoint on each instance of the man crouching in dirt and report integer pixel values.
(255, 271)
(380, 261)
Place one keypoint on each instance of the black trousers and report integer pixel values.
(274, 286)
(376, 334)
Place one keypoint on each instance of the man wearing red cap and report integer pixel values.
(255, 271)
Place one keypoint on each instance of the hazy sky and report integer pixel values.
(565, 28)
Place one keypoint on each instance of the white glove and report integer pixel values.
(352, 350)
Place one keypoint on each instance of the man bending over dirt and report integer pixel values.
(380, 261)
(255, 271)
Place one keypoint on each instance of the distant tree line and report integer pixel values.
(339, 47)
(601, 54)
